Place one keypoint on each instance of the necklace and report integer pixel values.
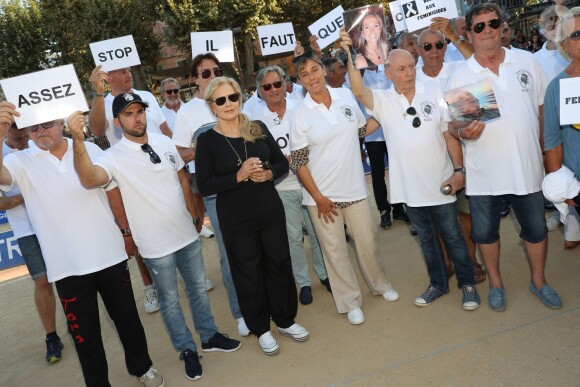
(231, 146)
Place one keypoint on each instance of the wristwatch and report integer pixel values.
(460, 169)
(126, 232)
(459, 40)
(196, 221)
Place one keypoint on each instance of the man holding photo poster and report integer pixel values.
(503, 158)
(366, 27)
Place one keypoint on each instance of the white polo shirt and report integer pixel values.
(418, 158)
(552, 62)
(170, 114)
(442, 78)
(154, 116)
(332, 138)
(17, 216)
(452, 54)
(74, 225)
(280, 129)
(152, 195)
(506, 158)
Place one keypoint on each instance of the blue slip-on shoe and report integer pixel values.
(547, 295)
(496, 299)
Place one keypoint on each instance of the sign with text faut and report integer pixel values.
(114, 54)
(327, 28)
(219, 43)
(570, 102)
(45, 95)
(418, 13)
(276, 38)
(398, 18)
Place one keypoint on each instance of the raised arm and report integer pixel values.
(444, 25)
(97, 117)
(360, 91)
(7, 113)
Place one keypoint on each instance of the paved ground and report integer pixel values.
(398, 345)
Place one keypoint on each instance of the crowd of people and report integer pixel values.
(288, 160)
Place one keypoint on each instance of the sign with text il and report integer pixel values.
(327, 27)
(45, 95)
(397, 14)
(418, 13)
(219, 43)
(276, 38)
(570, 102)
(114, 54)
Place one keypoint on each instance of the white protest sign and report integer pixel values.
(569, 101)
(418, 13)
(276, 38)
(397, 14)
(114, 54)
(219, 43)
(45, 95)
(327, 27)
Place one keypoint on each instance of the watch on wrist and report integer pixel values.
(196, 221)
(460, 169)
(459, 40)
(126, 232)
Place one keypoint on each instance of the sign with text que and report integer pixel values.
(327, 27)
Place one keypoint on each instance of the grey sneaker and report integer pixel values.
(470, 297)
(151, 300)
(296, 332)
(430, 295)
(152, 379)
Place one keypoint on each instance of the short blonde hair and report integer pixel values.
(249, 130)
(562, 32)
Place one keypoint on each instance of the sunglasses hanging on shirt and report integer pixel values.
(416, 121)
(154, 157)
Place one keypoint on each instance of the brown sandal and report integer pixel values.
(479, 274)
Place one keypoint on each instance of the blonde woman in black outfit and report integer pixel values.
(239, 160)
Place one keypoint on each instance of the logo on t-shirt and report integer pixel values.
(427, 108)
(347, 111)
(525, 79)
(172, 160)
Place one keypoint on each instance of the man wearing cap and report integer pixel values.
(155, 188)
(85, 253)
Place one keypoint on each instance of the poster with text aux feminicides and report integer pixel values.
(276, 38)
(45, 95)
(418, 13)
(117, 53)
(219, 43)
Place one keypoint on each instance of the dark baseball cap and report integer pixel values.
(122, 101)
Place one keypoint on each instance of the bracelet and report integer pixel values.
(126, 232)
(95, 94)
(459, 134)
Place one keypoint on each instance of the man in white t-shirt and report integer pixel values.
(503, 158)
(162, 218)
(171, 101)
(82, 247)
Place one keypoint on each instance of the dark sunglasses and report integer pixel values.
(45, 125)
(205, 74)
(222, 100)
(574, 35)
(172, 91)
(493, 23)
(154, 157)
(268, 86)
(438, 45)
(416, 121)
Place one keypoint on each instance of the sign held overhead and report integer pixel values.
(219, 43)
(276, 38)
(114, 54)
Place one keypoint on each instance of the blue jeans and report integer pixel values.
(210, 206)
(189, 261)
(529, 209)
(431, 223)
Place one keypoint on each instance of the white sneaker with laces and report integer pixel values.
(152, 379)
(295, 331)
(356, 316)
(208, 285)
(554, 222)
(243, 329)
(391, 295)
(269, 344)
(151, 300)
(206, 232)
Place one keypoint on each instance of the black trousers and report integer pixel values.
(78, 295)
(376, 151)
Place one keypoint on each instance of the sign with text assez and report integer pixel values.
(114, 54)
(276, 38)
(327, 27)
(418, 13)
(45, 95)
(219, 43)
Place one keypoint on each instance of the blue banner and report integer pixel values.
(9, 251)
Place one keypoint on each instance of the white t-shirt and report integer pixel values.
(170, 114)
(506, 158)
(442, 78)
(552, 62)
(418, 158)
(254, 104)
(192, 116)
(74, 225)
(154, 116)
(332, 138)
(280, 129)
(152, 195)
(452, 54)
(17, 216)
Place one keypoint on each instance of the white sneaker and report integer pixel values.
(206, 232)
(243, 329)
(151, 300)
(554, 222)
(356, 316)
(391, 295)
(295, 332)
(208, 285)
(269, 344)
(152, 379)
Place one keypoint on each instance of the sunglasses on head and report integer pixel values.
(205, 74)
(268, 86)
(493, 23)
(438, 45)
(154, 157)
(172, 91)
(416, 121)
(222, 100)
(45, 125)
(574, 35)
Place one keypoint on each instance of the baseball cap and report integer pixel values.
(122, 101)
